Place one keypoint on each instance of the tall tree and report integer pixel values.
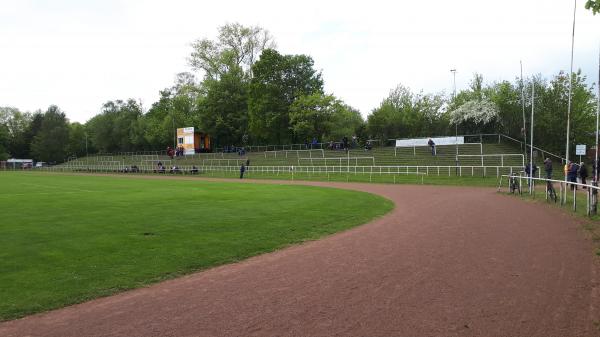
(49, 143)
(77, 140)
(4, 139)
(17, 124)
(593, 5)
(404, 114)
(323, 117)
(236, 45)
(115, 129)
(278, 81)
(224, 110)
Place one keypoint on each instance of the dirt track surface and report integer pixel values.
(446, 262)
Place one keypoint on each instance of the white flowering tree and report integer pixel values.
(476, 115)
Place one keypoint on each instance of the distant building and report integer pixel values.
(19, 163)
(193, 141)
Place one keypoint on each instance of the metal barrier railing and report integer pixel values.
(590, 189)
(449, 170)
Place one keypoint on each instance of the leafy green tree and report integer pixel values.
(593, 5)
(507, 98)
(278, 81)
(4, 140)
(404, 114)
(20, 130)
(224, 111)
(323, 117)
(77, 140)
(236, 46)
(177, 107)
(116, 127)
(49, 143)
(551, 113)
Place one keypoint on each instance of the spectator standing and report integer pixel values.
(548, 168)
(572, 175)
(242, 170)
(345, 142)
(248, 162)
(530, 171)
(583, 173)
(432, 146)
(314, 143)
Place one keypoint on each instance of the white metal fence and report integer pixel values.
(591, 190)
(151, 167)
(493, 156)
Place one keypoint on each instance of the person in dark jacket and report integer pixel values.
(431, 144)
(572, 175)
(548, 168)
(242, 170)
(583, 173)
(530, 171)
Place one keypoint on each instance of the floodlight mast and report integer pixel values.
(523, 106)
(597, 122)
(453, 71)
(531, 142)
(570, 88)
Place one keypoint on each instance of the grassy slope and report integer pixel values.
(66, 239)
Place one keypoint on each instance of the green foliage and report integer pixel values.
(20, 133)
(177, 107)
(278, 81)
(593, 5)
(404, 114)
(224, 111)
(99, 235)
(48, 143)
(324, 117)
(4, 139)
(77, 140)
(236, 46)
(116, 128)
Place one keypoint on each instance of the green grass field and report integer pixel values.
(65, 239)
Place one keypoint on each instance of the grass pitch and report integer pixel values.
(65, 239)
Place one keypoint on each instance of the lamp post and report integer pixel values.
(523, 106)
(86, 148)
(570, 88)
(453, 71)
(174, 132)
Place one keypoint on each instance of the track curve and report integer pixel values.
(447, 261)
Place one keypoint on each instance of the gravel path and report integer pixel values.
(447, 261)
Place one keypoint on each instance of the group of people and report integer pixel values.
(177, 152)
(160, 168)
(574, 171)
(345, 144)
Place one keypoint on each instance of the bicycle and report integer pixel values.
(551, 192)
(514, 184)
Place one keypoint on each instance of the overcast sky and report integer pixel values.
(79, 54)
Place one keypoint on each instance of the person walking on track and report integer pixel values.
(242, 170)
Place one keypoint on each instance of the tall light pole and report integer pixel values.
(453, 71)
(523, 106)
(531, 134)
(594, 207)
(570, 86)
(86, 148)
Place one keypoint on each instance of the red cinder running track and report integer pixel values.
(447, 261)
